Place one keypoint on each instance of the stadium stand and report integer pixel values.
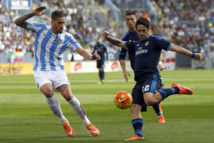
(191, 28)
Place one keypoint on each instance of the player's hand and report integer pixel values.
(38, 10)
(161, 67)
(126, 75)
(95, 57)
(107, 61)
(105, 34)
(199, 56)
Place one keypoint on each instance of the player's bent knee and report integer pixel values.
(135, 108)
(149, 102)
(48, 93)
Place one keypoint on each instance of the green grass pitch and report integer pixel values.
(26, 118)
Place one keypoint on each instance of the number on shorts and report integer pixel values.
(146, 88)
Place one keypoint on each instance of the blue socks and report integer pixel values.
(169, 91)
(157, 109)
(101, 74)
(137, 125)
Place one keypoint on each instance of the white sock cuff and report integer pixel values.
(74, 101)
(51, 101)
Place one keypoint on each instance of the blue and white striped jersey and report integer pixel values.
(49, 47)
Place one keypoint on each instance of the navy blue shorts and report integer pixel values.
(150, 83)
(162, 84)
(100, 63)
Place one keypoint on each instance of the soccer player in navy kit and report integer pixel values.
(147, 89)
(101, 49)
(132, 35)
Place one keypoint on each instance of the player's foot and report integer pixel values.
(135, 137)
(68, 130)
(161, 119)
(182, 89)
(93, 130)
(99, 82)
(103, 81)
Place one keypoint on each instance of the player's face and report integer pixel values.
(142, 32)
(58, 25)
(130, 22)
(99, 40)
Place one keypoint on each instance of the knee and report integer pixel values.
(149, 102)
(67, 94)
(48, 93)
(135, 108)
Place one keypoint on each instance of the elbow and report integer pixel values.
(17, 23)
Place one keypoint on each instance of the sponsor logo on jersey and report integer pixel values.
(140, 51)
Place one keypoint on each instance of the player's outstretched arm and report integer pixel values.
(186, 52)
(86, 54)
(114, 41)
(125, 72)
(21, 21)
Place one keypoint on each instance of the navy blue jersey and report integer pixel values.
(101, 49)
(147, 54)
(129, 36)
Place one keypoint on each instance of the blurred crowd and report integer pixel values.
(187, 23)
(13, 38)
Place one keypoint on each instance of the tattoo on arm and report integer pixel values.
(114, 41)
(21, 21)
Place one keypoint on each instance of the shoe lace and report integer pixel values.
(91, 126)
(67, 128)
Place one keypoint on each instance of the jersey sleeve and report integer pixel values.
(162, 43)
(35, 27)
(129, 44)
(122, 53)
(106, 50)
(72, 43)
(95, 48)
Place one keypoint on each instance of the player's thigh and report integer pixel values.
(41, 78)
(137, 97)
(100, 64)
(59, 78)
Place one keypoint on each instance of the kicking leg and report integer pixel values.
(77, 107)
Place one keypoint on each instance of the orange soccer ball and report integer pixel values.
(123, 100)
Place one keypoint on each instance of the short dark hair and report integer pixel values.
(143, 21)
(57, 14)
(130, 13)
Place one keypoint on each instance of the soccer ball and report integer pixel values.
(123, 100)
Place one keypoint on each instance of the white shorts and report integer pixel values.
(55, 78)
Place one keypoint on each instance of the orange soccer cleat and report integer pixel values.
(135, 137)
(183, 90)
(68, 130)
(161, 118)
(93, 130)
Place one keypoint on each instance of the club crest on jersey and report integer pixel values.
(147, 43)
(59, 40)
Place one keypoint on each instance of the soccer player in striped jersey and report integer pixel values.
(50, 43)
(101, 49)
(132, 35)
(148, 84)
